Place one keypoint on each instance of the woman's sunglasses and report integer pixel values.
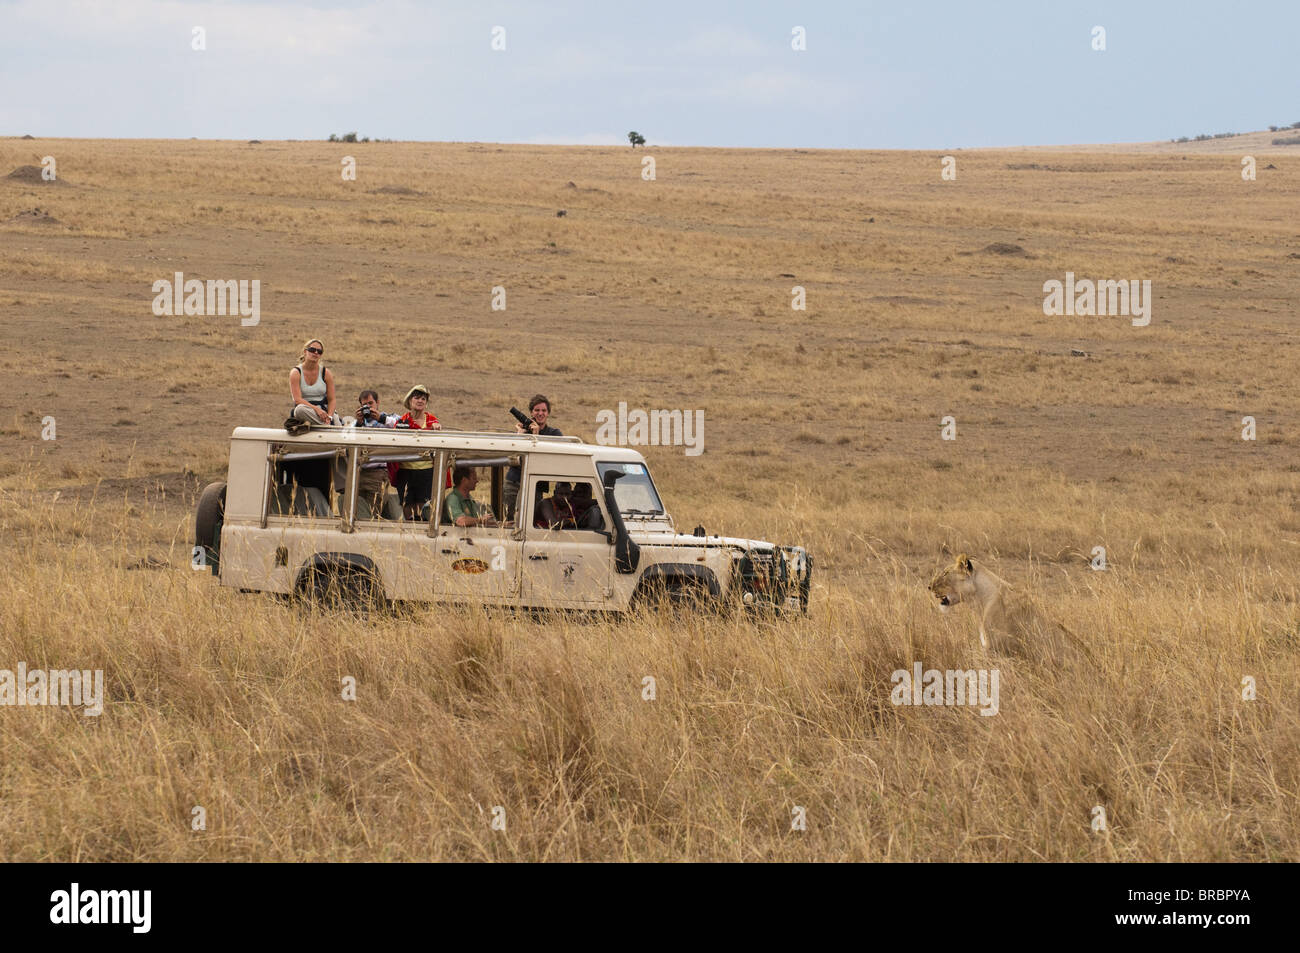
(316, 350)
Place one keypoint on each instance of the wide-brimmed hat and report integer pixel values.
(417, 389)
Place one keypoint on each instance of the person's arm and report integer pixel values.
(329, 391)
(486, 517)
(433, 423)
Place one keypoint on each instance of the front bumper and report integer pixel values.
(779, 578)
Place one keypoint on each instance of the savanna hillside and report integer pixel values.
(924, 299)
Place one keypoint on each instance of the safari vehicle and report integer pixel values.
(261, 532)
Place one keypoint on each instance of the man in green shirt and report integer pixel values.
(460, 509)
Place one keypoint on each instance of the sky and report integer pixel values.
(873, 75)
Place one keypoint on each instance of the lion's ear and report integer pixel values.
(964, 564)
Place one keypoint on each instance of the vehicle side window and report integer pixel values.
(566, 506)
(301, 489)
(483, 505)
(377, 499)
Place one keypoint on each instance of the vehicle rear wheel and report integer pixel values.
(209, 514)
(351, 589)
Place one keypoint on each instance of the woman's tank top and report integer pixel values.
(313, 393)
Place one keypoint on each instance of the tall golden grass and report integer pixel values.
(234, 703)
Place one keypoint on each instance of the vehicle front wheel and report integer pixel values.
(672, 593)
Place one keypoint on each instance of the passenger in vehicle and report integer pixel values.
(540, 409)
(414, 479)
(369, 414)
(543, 511)
(373, 480)
(586, 511)
(311, 386)
(557, 512)
(459, 509)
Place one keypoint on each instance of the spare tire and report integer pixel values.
(208, 517)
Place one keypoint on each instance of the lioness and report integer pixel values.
(1008, 623)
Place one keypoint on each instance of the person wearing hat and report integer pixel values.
(414, 480)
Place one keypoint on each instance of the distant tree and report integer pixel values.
(366, 139)
(349, 137)
(1295, 125)
(334, 137)
(1272, 128)
(636, 139)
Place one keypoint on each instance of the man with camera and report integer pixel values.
(372, 484)
(540, 408)
(368, 414)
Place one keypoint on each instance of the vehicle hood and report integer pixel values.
(650, 537)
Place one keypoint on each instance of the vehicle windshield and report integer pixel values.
(635, 491)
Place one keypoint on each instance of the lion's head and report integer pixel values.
(954, 584)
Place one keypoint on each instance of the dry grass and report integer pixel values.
(233, 703)
(822, 427)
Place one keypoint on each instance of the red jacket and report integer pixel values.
(408, 421)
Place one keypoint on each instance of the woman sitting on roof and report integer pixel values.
(311, 386)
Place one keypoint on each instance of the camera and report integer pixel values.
(525, 422)
(366, 416)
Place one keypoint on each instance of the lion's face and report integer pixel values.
(954, 583)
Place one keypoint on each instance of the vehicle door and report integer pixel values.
(476, 563)
(566, 563)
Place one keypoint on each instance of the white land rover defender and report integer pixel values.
(586, 531)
